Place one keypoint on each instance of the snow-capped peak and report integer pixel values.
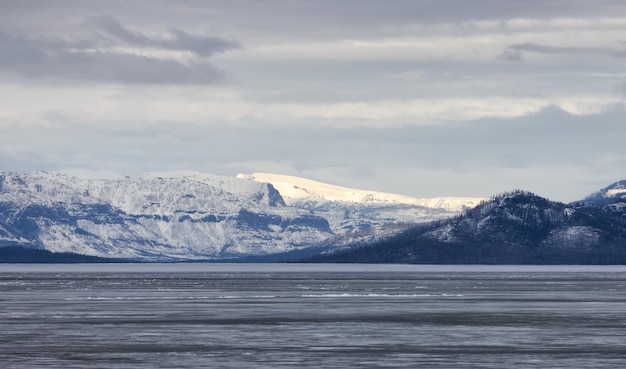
(294, 189)
(609, 194)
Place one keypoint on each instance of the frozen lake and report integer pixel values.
(311, 316)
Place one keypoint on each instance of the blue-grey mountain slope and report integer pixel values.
(513, 228)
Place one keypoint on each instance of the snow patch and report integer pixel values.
(574, 237)
(614, 192)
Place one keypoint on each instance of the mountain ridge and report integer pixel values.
(516, 227)
(181, 215)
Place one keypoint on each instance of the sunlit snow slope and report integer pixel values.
(295, 189)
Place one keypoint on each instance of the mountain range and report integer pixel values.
(186, 216)
(179, 216)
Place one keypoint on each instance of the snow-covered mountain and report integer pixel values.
(157, 216)
(362, 212)
(613, 193)
(300, 190)
(189, 215)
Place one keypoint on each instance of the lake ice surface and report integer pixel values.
(311, 316)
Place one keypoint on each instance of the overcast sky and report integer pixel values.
(421, 98)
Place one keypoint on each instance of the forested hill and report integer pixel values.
(513, 228)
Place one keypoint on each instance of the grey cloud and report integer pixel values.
(567, 50)
(550, 137)
(134, 69)
(511, 55)
(321, 18)
(115, 28)
(364, 14)
(16, 49)
(88, 59)
(55, 58)
(203, 46)
(200, 45)
(621, 89)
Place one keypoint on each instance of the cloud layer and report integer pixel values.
(113, 54)
(422, 98)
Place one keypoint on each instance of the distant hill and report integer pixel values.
(518, 227)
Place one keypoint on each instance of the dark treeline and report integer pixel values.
(16, 254)
(408, 249)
